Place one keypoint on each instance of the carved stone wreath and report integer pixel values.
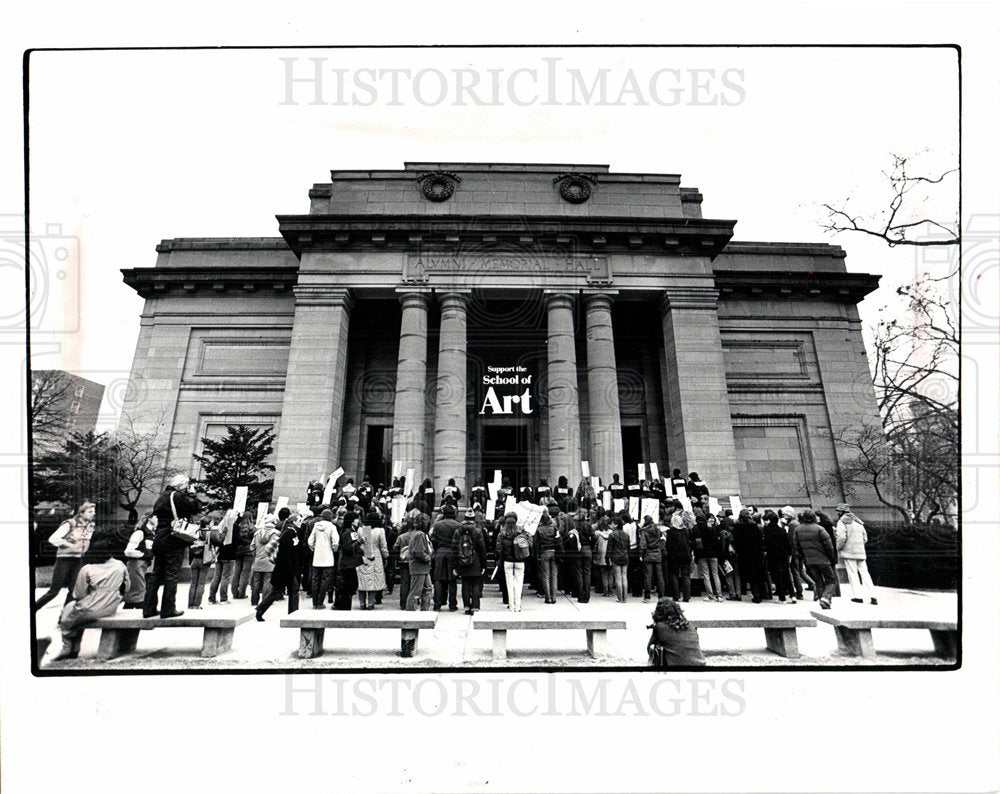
(438, 185)
(574, 188)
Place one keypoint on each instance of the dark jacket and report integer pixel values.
(244, 530)
(352, 551)
(678, 546)
(547, 537)
(443, 537)
(618, 547)
(186, 506)
(649, 542)
(505, 546)
(681, 646)
(749, 549)
(813, 544)
(586, 530)
(286, 564)
(420, 552)
(776, 542)
(709, 536)
(478, 563)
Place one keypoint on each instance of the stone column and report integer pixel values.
(313, 405)
(449, 408)
(411, 385)
(564, 406)
(700, 426)
(602, 388)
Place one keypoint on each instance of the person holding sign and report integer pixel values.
(696, 488)
(478, 493)
(678, 485)
(543, 492)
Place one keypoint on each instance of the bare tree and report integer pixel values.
(141, 457)
(50, 400)
(901, 221)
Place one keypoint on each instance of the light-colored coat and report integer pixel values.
(851, 539)
(371, 573)
(324, 540)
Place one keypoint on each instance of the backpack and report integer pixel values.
(466, 549)
(522, 547)
(419, 548)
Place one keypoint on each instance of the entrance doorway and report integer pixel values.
(505, 447)
(378, 454)
(631, 450)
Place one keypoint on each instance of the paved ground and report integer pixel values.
(453, 643)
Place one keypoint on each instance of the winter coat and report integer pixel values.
(776, 542)
(601, 545)
(681, 645)
(617, 553)
(324, 540)
(244, 531)
(749, 546)
(420, 552)
(478, 562)
(371, 572)
(351, 549)
(851, 539)
(547, 537)
(263, 544)
(649, 543)
(286, 564)
(678, 547)
(186, 506)
(442, 536)
(709, 536)
(813, 544)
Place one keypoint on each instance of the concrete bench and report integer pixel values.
(500, 624)
(780, 634)
(314, 623)
(120, 632)
(854, 631)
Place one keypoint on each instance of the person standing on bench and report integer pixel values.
(816, 549)
(99, 589)
(469, 553)
(851, 539)
(168, 551)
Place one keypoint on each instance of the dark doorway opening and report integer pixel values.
(631, 451)
(505, 447)
(378, 454)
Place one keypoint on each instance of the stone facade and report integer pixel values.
(457, 318)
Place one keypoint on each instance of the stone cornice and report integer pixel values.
(839, 287)
(152, 281)
(323, 295)
(419, 232)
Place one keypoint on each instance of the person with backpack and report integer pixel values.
(513, 548)
(469, 553)
(418, 556)
(649, 551)
(138, 556)
(547, 544)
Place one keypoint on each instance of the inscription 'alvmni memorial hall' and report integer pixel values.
(460, 318)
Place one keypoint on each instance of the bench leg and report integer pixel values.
(855, 642)
(499, 645)
(115, 642)
(945, 643)
(216, 641)
(408, 640)
(597, 642)
(784, 642)
(311, 643)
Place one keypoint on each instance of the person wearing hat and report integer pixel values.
(851, 539)
(177, 501)
(443, 565)
(71, 539)
(469, 553)
(324, 540)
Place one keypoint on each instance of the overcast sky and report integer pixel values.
(128, 148)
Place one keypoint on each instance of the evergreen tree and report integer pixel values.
(238, 458)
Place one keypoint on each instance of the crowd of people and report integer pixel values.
(343, 544)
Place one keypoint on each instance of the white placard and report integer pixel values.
(336, 474)
(509, 504)
(585, 468)
(494, 490)
(681, 491)
(654, 471)
(282, 502)
(302, 508)
(409, 482)
(497, 478)
(685, 502)
(397, 468)
(617, 505)
(491, 509)
(606, 500)
(642, 472)
(261, 511)
(595, 483)
(651, 508)
(736, 505)
(240, 500)
(528, 516)
(328, 491)
(397, 509)
(713, 506)
(633, 507)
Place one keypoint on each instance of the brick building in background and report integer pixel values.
(460, 318)
(71, 404)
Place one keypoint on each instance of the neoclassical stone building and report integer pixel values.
(456, 318)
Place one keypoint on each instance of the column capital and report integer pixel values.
(323, 295)
(413, 298)
(689, 297)
(599, 299)
(454, 298)
(558, 298)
